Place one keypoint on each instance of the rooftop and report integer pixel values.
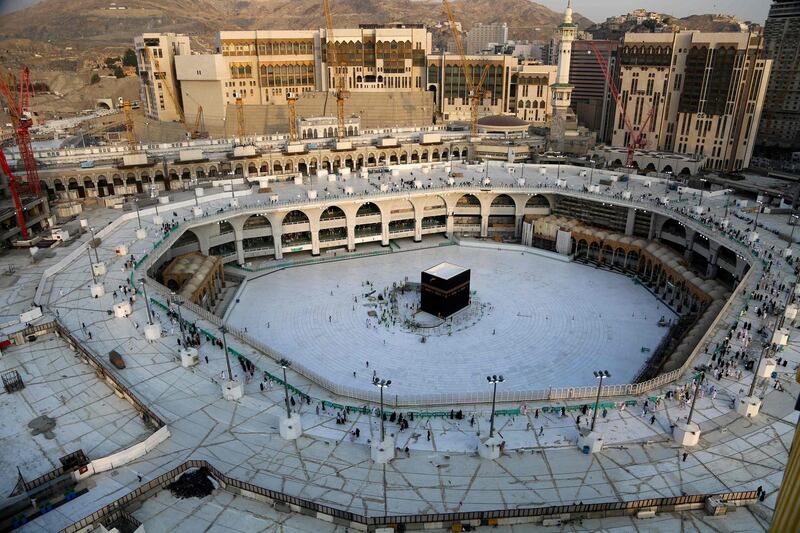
(446, 270)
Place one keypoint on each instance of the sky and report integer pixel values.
(754, 10)
(598, 11)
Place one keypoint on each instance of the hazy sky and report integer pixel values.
(754, 10)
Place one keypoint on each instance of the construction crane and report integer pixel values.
(199, 129)
(339, 89)
(158, 74)
(291, 100)
(240, 130)
(21, 118)
(130, 135)
(636, 139)
(13, 186)
(476, 92)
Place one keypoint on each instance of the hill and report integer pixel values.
(72, 21)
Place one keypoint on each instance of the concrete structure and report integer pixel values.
(156, 82)
(480, 37)
(707, 91)
(780, 121)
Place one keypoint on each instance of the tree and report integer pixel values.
(118, 72)
(95, 78)
(129, 58)
(111, 61)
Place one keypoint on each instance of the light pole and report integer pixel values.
(146, 302)
(755, 369)
(233, 194)
(196, 202)
(494, 380)
(591, 176)
(223, 329)
(177, 301)
(702, 188)
(760, 205)
(94, 245)
(91, 266)
(794, 218)
(599, 374)
(381, 384)
(285, 363)
(694, 397)
(138, 218)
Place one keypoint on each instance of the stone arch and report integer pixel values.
(685, 171)
(332, 212)
(456, 153)
(468, 200)
(256, 221)
(414, 156)
(503, 200)
(368, 209)
(651, 167)
(295, 216)
(537, 201)
(371, 159)
(667, 169)
(424, 157)
(212, 171)
(403, 157)
(251, 169)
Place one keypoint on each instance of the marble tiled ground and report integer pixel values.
(240, 438)
(87, 413)
(544, 323)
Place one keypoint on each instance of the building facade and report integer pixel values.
(705, 91)
(592, 100)
(780, 121)
(159, 90)
(564, 121)
(481, 36)
(522, 89)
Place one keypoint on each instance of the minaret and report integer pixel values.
(562, 90)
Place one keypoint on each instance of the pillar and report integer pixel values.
(631, 220)
(384, 231)
(485, 225)
(351, 236)
(239, 252)
(652, 231)
(418, 229)
(450, 224)
(518, 226)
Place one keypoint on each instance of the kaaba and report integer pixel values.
(444, 289)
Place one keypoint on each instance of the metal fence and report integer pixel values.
(315, 509)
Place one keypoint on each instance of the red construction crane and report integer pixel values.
(22, 119)
(637, 139)
(12, 184)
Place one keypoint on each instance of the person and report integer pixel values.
(685, 455)
(541, 431)
(652, 419)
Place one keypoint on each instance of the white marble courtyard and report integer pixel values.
(545, 323)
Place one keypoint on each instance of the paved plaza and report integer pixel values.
(543, 322)
(540, 465)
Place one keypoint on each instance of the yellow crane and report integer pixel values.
(476, 93)
(291, 100)
(339, 89)
(130, 135)
(240, 130)
(160, 75)
(199, 129)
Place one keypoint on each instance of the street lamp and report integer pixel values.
(138, 218)
(177, 301)
(381, 384)
(196, 202)
(223, 329)
(591, 176)
(91, 266)
(285, 363)
(494, 380)
(702, 188)
(146, 302)
(94, 245)
(794, 218)
(599, 374)
(764, 349)
(694, 396)
(760, 205)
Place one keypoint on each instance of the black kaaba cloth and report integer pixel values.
(444, 289)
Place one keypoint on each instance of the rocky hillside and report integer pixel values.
(71, 21)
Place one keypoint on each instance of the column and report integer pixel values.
(384, 231)
(417, 229)
(713, 255)
(449, 226)
(629, 223)
(314, 228)
(485, 225)
(690, 234)
(652, 232)
(239, 251)
(351, 236)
